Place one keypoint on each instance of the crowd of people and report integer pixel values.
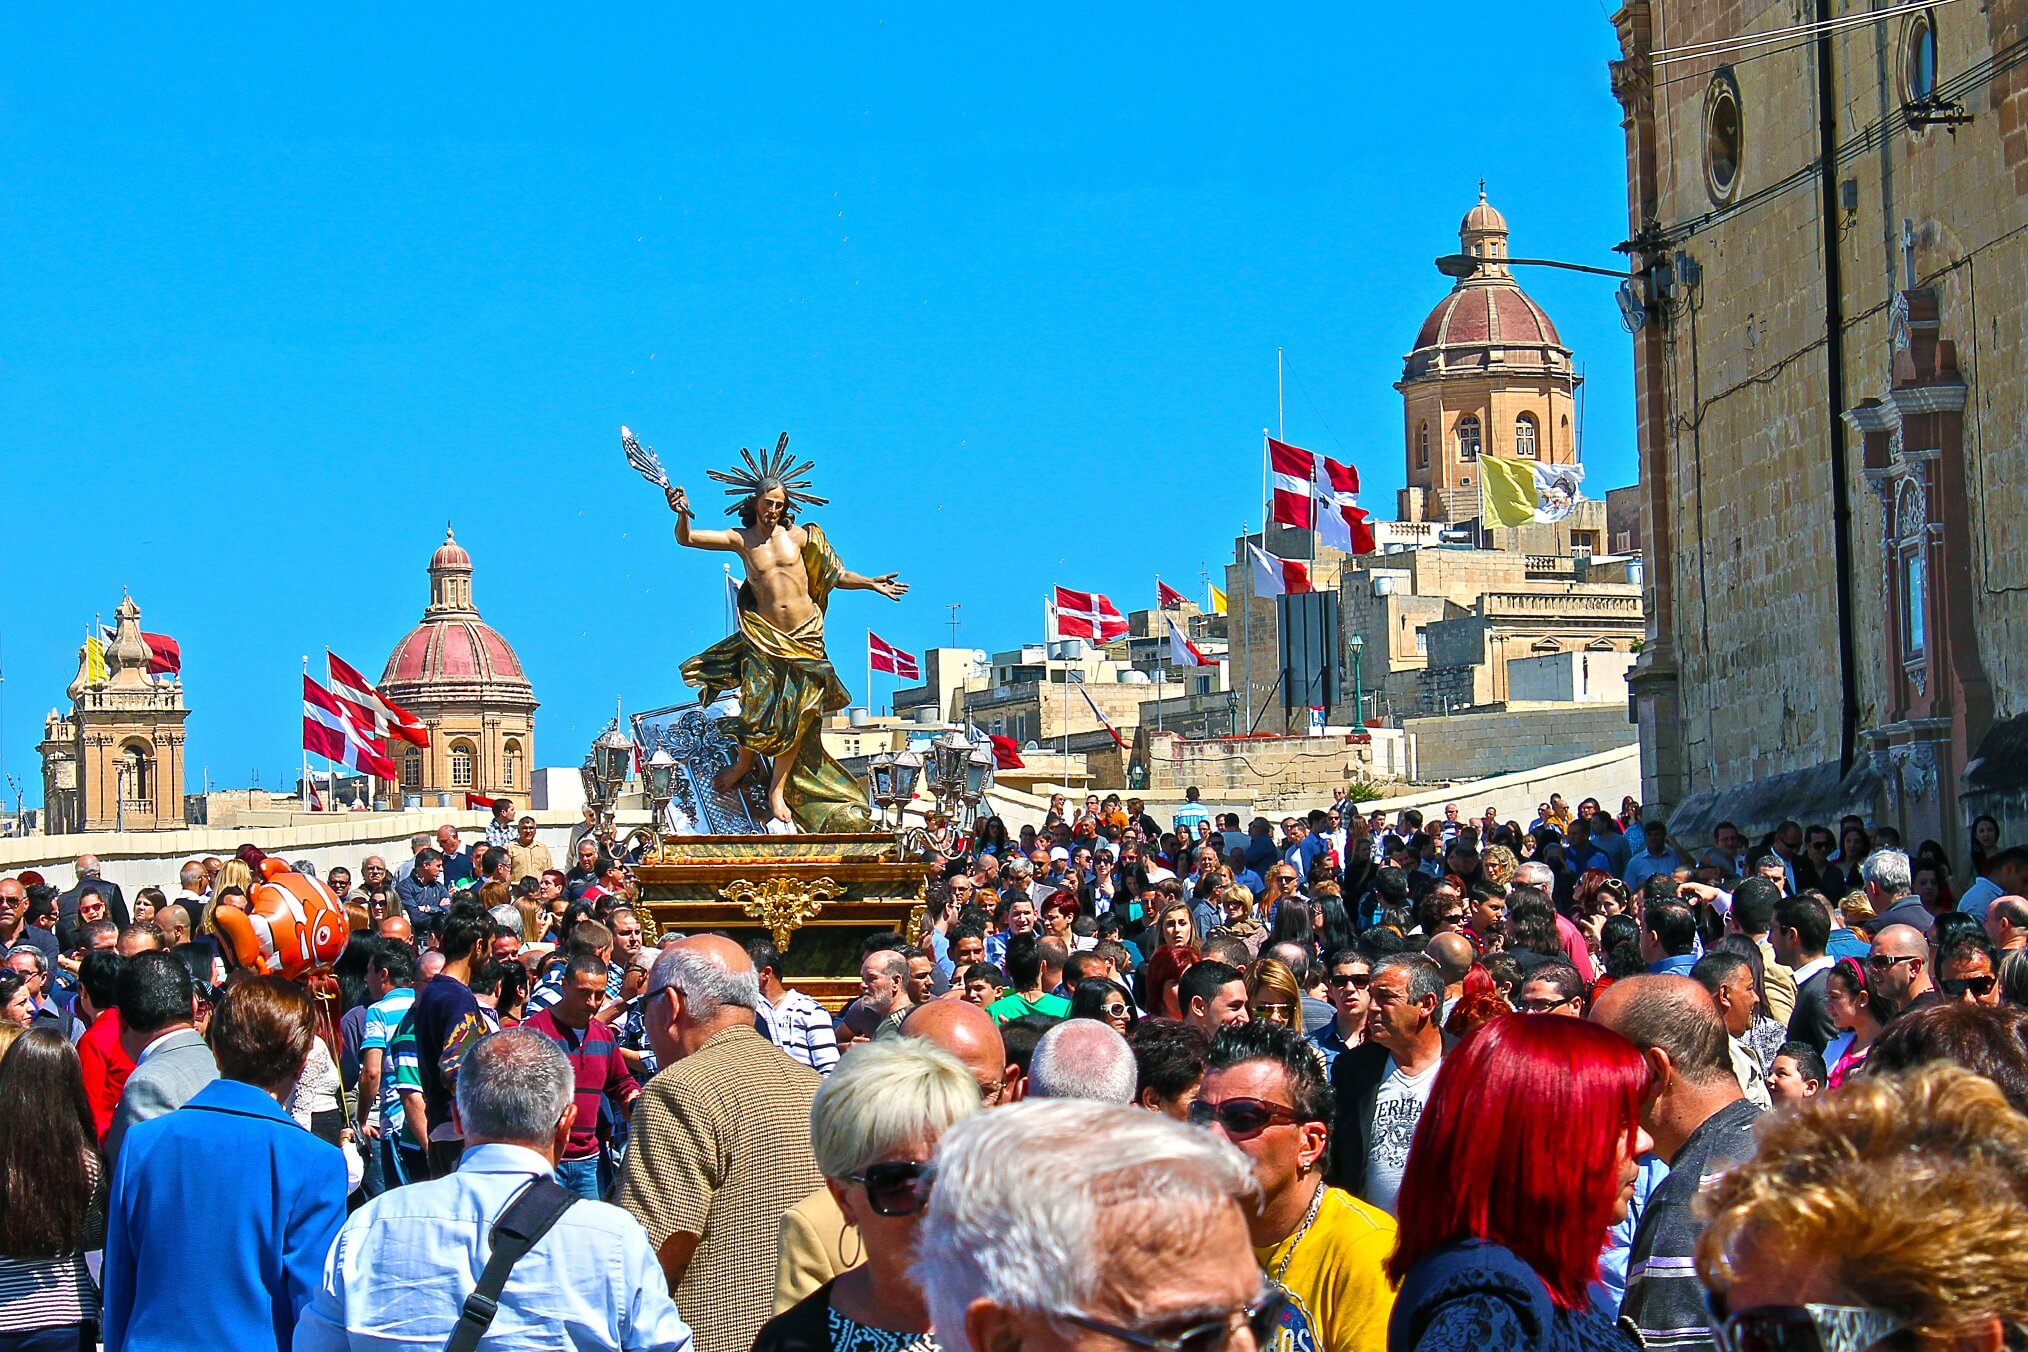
(1346, 1081)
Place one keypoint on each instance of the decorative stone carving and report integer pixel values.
(782, 905)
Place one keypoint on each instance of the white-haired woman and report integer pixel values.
(873, 1127)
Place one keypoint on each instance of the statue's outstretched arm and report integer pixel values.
(889, 585)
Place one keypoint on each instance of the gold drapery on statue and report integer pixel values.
(786, 686)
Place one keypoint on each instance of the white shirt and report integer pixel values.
(403, 1264)
(1397, 1108)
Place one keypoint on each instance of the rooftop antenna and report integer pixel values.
(954, 607)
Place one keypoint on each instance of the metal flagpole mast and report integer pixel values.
(305, 792)
(870, 710)
(1245, 618)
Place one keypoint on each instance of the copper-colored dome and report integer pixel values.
(1487, 322)
(456, 650)
(1487, 314)
(453, 653)
(451, 554)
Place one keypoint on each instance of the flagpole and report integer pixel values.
(869, 671)
(1245, 628)
(305, 795)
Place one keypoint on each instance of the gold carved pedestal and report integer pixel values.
(816, 897)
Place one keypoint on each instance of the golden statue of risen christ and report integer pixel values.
(776, 659)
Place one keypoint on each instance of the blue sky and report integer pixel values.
(285, 292)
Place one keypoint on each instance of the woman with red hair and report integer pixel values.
(1524, 1158)
(1159, 977)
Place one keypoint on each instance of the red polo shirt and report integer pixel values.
(106, 1067)
(598, 1070)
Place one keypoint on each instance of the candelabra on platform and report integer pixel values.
(959, 774)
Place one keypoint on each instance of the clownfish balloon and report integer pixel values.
(293, 924)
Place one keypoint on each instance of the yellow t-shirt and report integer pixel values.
(1339, 1296)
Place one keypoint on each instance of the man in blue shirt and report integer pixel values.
(1190, 814)
(1658, 857)
(424, 892)
(1669, 939)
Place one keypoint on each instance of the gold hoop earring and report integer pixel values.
(859, 1247)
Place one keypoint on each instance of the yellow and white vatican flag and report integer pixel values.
(1526, 492)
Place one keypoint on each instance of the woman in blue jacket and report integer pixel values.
(231, 1180)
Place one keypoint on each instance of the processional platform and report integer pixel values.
(816, 897)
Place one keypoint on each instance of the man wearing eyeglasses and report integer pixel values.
(1323, 1248)
(1553, 988)
(1966, 971)
(1898, 967)
(1350, 978)
(1196, 1291)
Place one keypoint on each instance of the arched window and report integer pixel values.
(1468, 437)
(411, 769)
(1422, 446)
(461, 765)
(1524, 436)
(136, 769)
(510, 762)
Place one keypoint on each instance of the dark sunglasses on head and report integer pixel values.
(1262, 1316)
(1358, 981)
(1801, 1328)
(895, 1187)
(1242, 1118)
(1978, 986)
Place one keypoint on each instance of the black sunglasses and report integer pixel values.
(1262, 1316)
(1800, 1328)
(1358, 981)
(895, 1187)
(1979, 986)
(1242, 1118)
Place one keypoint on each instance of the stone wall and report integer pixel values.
(1741, 680)
(1515, 737)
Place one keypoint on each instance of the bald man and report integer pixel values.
(1701, 1125)
(1898, 966)
(396, 927)
(1454, 955)
(721, 1140)
(174, 922)
(816, 1239)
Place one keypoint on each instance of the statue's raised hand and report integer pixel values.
(679, 501)
(890, 585)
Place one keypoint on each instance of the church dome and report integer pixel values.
(451, 554)
(1487, 323)
(453, 654)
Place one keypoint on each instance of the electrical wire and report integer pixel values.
(1868, 140)
(1810, 31)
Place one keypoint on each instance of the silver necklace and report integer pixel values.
(1309, 1219)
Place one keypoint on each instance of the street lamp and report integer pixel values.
(1357, 642)
(1643, 291)
(1464, 265)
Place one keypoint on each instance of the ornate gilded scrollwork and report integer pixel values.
(782, 905)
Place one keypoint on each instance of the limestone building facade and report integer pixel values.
(1427, 626)
(463, 680)
(114, 761)
(1834, 279)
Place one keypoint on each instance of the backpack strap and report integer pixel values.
(521, 1226)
